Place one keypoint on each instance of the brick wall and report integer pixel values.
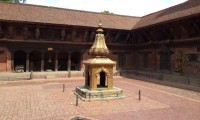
(3, 59)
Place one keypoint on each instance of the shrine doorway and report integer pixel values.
(102, 80)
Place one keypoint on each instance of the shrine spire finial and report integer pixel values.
(99, 47)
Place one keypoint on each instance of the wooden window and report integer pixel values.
(192, 57)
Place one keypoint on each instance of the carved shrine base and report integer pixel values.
(86, 94)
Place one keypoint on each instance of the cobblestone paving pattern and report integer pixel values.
(45, 100)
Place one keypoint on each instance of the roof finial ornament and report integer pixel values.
(100, 30)
(100, 24)
(99, 47)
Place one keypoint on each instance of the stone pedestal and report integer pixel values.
(86, 94)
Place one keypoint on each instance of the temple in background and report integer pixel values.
(49, 42)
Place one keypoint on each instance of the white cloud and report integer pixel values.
(123, 7)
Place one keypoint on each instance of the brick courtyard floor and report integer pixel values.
(45, 100)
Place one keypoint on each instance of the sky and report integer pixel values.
(122, 7)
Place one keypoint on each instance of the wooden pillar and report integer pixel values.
(42, 61)
(127, 37)
(69, 64)
(56, 61)
(27, 62)
(12, 61)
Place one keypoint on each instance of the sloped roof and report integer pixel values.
(44, 14)
(52, 15)
(185, 9)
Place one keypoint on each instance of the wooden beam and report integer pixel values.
(134, 37)
(127, 37)
(182, 27)
(140, 37)
(116, 37)
(196, 27)
(184, 32)
(145, 35)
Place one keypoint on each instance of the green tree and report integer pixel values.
(14, 1)
(106, 12)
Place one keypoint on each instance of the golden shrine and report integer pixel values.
(99, 73)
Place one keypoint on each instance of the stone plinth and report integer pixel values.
(86, 94)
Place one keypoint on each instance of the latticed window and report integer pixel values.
(192, 57)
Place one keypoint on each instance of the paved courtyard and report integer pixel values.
(45, 100)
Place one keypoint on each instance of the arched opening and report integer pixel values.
(35, 61)
(62, 61)
(102, 80)
(49, 61)
(20, 61)
(75, 61)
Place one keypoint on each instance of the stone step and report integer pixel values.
(50, 77)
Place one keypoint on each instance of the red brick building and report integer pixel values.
(40, 38)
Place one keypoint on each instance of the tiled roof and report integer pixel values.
(44, 14)
(187, 8)
(51, 15)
